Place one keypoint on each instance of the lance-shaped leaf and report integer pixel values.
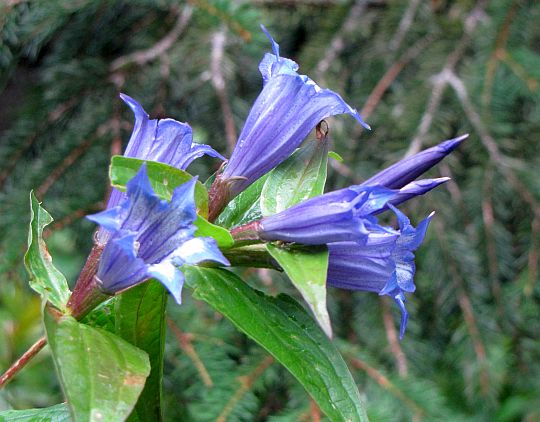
(288, 333)
(56, 413)
(307, 270)
(140, 320)
(301, 177)
(222, 236)
(44, 276)
(101, 374)
(163, 178)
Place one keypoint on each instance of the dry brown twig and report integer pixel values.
(219, 40)
(393, 341)
(144, 56)
(440, 80)
(386, 384)
(184, 341)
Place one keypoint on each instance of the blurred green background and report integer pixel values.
(419, 71)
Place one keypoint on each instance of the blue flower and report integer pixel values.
(410, 190)
(151, 238)
(342, 215)
(384, 264)
(405, 171)
(288, 108)
(165, 140)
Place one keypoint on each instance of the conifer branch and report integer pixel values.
(388, 385)
(490, 144)
(184, 341)
(144, 56)
(533, 257)
(498, 53)
(440, 79)
(66, 163)
(488, 217)
(404, 25)
(393, 340)
(466, 308)
(52, 118)
(337, 45)
(246, 383)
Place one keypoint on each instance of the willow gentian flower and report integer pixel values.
(151, 237)
(384, 264)
(405, 171)
(165, 140)
(288, 108)
(342, 215)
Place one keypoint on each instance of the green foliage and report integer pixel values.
(285, 330)
(298, 178)
(243, 208)
(141, 321)
(61, 121)
(101, 374)
(57, 413)
(44, 277)
(164, 179)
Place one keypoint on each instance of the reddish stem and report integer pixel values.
(22, 361)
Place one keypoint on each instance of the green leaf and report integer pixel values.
(103, 316)
(101, 374)
(243, 208)
(301, 177)
(164, 179)
(288, 333)
(335, 156)
(298, 178)
(307, 270)
(140, 320)
(207, 229)
(44, 277)
(56, 413)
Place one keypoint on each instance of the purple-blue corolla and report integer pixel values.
(165, 140)
(288, 108)
(151, 237)
(405, 171)
(342, 215)
(384, 264)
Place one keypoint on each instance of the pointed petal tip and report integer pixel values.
(452, 144)
(400, 300)
(275, 45)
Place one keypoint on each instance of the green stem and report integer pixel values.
(251, 256)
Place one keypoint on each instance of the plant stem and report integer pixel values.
(22, 361)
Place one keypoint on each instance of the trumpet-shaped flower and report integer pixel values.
(151, 237)
(288, 108)
(165, 140)
(405, 171)
(384, 264)
(342, 215)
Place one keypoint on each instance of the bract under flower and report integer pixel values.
(151, 237)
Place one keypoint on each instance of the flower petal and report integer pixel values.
(405, 171)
